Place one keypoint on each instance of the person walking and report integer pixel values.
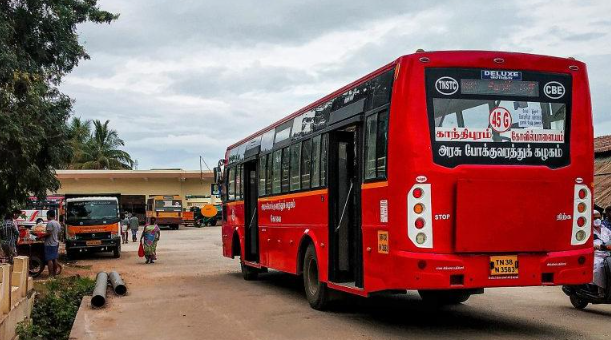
(150, 236)
(133, 226)
(124, 227)
(8, 237)
(52, 243)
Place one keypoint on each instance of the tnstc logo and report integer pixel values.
(446, 85)
(554, 90)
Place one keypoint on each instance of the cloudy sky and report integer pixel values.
(183, 78)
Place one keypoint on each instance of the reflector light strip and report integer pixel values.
(587, 214)
(427, 230)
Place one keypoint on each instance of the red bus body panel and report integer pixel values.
(521, 222)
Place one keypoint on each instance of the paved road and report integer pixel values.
(192, 292)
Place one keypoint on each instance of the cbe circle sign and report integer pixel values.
(500, 119)
(554, 90)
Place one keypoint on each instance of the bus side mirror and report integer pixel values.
(218, 175)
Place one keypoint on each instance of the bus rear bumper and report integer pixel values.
(451, 271)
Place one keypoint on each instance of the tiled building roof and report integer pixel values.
(602, 144)
(602, 171)
(602, 181)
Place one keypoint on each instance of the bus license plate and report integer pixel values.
(504, 265)
(94, 243)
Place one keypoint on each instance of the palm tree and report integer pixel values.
(79, 132)
(101, 151)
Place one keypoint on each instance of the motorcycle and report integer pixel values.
(582, 295)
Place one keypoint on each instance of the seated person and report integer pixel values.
(602, 245)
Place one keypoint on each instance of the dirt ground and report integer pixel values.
(192, 292)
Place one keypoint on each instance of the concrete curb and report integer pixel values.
(80, 328)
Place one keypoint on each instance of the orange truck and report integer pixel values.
(92, 224)
(167, 209)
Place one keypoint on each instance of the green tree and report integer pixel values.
(102, 151)
(38, 46)
(80, 132)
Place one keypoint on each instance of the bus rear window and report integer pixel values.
(506, 121)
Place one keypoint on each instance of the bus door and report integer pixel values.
(345, 254)
(251, 230)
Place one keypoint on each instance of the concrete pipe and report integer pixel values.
(117, 284)
(99, 292)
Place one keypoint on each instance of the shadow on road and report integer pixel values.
(408, 314)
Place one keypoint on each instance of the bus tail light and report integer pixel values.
(582, 211)
(419, 217)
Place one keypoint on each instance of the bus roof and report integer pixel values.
(316, 103)
(93, 198)
(420, 53)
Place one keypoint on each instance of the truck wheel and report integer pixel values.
(71, 254)
(317, 292)
(116, 253)
(36, 266)
(248, 273)
(577, 302)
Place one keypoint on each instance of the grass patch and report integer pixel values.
(55, 308)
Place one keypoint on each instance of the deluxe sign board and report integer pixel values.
(501, 75)
(498, 117)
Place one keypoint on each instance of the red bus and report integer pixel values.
(442, 172)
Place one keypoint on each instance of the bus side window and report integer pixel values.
(382, 88)
(268, 175)
(231, 184)
(306, 158)
(238, 182)
(262, 165)
(276, 171)
(286, 157)
(371, 130)
(316, 161)
(295, 167)
(376, 143)
(382, 144)
(323, 160)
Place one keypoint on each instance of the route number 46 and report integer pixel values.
(500, 119)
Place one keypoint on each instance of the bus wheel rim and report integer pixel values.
(312, 277)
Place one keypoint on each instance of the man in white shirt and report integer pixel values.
(602, 247)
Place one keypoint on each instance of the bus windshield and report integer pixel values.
(498, 118)
(168, 205)
(92, 211)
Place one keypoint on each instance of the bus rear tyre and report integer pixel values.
(317, 292)
(248, 273)
(577, 302)
(444, 297)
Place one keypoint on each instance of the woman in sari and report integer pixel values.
(149, 238)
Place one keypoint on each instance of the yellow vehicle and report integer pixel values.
(167, 209)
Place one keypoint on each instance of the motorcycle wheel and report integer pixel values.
(36, 266)
(577, 302)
